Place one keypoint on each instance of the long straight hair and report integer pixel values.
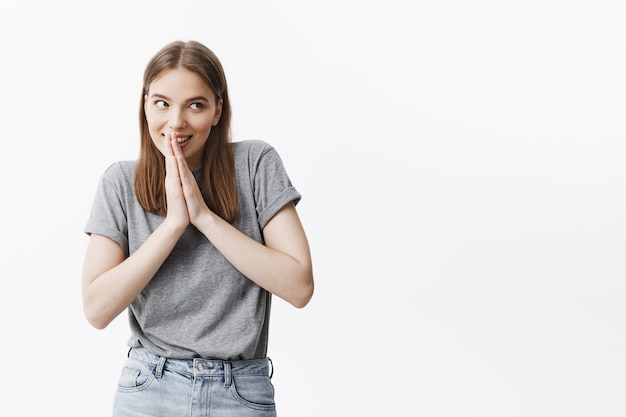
(218, 183)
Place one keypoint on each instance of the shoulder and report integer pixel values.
(254, 153)
(251, 149)
(254, 156)
(120, 169)
(120, 174)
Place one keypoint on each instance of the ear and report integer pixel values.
(218, 112)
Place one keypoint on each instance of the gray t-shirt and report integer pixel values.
(197, 304)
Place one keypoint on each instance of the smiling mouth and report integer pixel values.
(182, 139)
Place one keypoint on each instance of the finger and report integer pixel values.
(186, 177)
(191, 189)
(185, 174)
(169, 150)
(170, 158)
(171, 166)
(178, 153)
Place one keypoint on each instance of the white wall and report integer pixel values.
(463, 172)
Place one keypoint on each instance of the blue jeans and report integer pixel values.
(153, 386)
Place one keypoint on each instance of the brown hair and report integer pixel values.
(218, 184)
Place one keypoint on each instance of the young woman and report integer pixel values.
(192, 239)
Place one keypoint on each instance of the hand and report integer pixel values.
(177, 212)
(196, 205)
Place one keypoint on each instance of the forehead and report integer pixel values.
(179, 83)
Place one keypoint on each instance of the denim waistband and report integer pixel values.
(203, 367)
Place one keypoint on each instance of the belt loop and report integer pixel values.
(227, 374)
(271, 367)
(160, 366)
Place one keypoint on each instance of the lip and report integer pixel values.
(182, 144)
(185, 143)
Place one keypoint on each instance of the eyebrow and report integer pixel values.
(197, 98)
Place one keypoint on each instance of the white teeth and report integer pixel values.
(183, 139)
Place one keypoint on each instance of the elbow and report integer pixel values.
(97, 311)
(303, 296)
(98, 324)
(97, 320)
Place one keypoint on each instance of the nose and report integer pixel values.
(177, 120)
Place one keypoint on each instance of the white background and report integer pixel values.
(462, 166)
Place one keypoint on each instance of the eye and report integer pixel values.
(161, 104)
(197, 106)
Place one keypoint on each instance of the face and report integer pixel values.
(179, 102)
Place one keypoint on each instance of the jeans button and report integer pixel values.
(204, 366)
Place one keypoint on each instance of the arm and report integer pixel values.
(282, 266)
(111, 281)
